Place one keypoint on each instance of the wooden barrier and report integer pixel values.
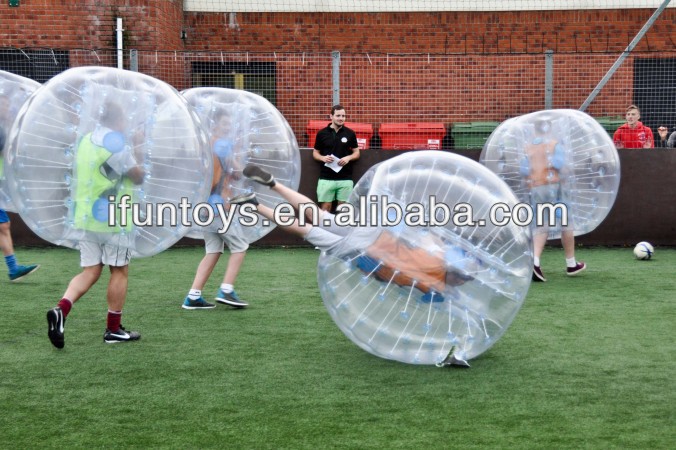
(645, 208)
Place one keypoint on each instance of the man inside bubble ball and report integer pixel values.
(15, 270)
(225, 170)
(388, 258)
(543, 168)
(105, 166)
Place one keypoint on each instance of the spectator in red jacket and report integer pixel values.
(633, 134)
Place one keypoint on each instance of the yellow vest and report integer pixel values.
(92, 185)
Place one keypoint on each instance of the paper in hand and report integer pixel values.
(334, 165)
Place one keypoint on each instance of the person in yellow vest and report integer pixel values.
(105, 170)
(542, 167)
(15, 270)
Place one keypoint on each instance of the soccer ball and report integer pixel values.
(643, 250)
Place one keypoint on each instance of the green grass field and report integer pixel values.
(588, 363)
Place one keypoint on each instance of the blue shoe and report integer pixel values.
(432, 297)
(200, 303)
(230, 298)
(22, 271)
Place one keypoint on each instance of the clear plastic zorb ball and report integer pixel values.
(418, 280)
(557, 157)
(96, 151)
(14, 92)
(243, 128)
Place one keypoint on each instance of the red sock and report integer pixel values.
(114, 319)
(65, 306)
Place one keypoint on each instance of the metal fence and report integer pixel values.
(468, 94)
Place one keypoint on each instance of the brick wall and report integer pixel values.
(475, 40)
(447, 32)
(90, 24)
(156, 24)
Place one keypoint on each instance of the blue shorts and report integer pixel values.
(4, 218)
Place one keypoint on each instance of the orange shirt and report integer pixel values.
(539, 157)
(412, 263)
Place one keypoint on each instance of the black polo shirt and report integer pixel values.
(338, 143)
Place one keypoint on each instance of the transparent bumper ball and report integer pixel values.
(242, 128)
(94, 139)
(443, 284)
(14, 92)
(559, 156)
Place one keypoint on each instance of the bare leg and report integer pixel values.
(6, 239)
(82, 282)
(297, 200)
(539, 241)
(294, 198)
(293, 228)
(573, 267)
(234, 264)
(326, 206)
(117, 287)
(568, 242)
(15, 270)
(204, 270)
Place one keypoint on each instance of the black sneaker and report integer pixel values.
(56, 322)
(121, 335)
(537, 274)
(259, 175)
(244, 198)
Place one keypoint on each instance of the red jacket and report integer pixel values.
(626, 137)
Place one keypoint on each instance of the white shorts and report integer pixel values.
(552, 194)
(327, 233)
(327, 221)
(95, 253)
(322, 239)
(215, 243)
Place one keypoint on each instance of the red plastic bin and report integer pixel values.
(412, 135)
(364, 132)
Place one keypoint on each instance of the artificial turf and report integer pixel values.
(587, 363)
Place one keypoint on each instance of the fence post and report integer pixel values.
(133, 60)
(119, 30)
(335, 73)
(549, 78)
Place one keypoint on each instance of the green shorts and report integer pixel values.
(330, 190)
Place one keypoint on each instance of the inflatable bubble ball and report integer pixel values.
(559, 156)
(14, 91)
(424, 276)
(243, 127)
(108, 155)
